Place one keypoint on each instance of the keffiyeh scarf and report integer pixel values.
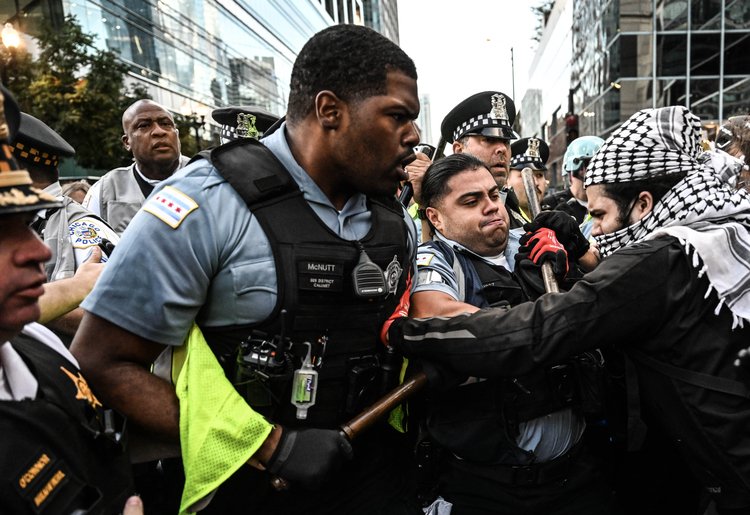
(703, 210)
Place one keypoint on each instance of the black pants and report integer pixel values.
(580, 491)
(378, 481)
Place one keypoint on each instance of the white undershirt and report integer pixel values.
(16, 380)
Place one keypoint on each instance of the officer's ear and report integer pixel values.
(435, 218)
(125, 142)
(458, 147)
(329, 109)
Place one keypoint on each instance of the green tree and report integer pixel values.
(77, 90)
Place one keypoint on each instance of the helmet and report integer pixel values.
(580, 150)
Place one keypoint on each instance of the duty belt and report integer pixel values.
(522, 475)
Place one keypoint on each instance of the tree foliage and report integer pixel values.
(77, 90)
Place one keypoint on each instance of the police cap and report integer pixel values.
(17, 195)
(531, 152)
(243, 122)
(36, 143)
(490, 113)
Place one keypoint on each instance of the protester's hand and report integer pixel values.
(566, 229)
(542, 246)
(416, 170)
(440, 377)
(133, 506)
(309, 456)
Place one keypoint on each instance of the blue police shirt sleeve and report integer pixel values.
(157, 279)
(434, 273)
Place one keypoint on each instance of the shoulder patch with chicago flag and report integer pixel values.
(424, 259)
(171, 206)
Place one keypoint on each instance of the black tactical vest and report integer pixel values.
(315, 289)
(61, 452)
(478, 421)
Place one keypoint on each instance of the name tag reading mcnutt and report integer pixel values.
(320, 276)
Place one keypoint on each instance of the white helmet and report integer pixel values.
(579, 151)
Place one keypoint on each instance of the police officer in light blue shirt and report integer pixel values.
(299, 243)
(509, 444)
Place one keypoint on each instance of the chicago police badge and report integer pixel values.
(499, 109)
(533, 149)
(392, 275)
(246, 126)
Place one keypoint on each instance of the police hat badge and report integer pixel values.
(17, 195)
(490, 113)
(529, 152)
(243, 122)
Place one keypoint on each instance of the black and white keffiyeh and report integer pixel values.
(703, 210)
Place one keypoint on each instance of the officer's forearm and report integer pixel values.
(61, 297)
(116, 363)
(67, 323)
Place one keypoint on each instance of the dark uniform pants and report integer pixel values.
(579, 490)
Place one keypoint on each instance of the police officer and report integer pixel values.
(670, 293)
(509, 445)
(73, 234)
(62, 452)
(151, 136)
(288, 254)
(532, 153)
(482, 125)
(243, 122)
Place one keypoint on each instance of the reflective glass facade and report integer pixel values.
(606, 59)
(631, 54)
(195, 55)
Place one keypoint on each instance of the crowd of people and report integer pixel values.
(199, 330)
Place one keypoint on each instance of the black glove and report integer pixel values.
(309, 456)
(542, 246)
(440, 377)
(566, 229)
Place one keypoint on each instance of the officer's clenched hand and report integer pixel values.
(309, 456)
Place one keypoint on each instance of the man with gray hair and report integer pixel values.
(672, 292)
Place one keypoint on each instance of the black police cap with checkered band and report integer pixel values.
(531, 152)
(490, 113)
(243, 122)
(17, 194)
(37, 144)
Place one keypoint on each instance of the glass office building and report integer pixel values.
(631, 54)
(195, 55)
(603, 60)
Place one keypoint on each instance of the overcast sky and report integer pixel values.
(462, 47)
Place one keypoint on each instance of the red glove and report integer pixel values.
(542, 246)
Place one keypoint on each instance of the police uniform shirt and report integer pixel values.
(547, 437)
(85, 232)
(210, 262)
(434, 273)
(17, 382)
